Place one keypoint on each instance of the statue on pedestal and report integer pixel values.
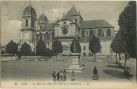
(75, 49)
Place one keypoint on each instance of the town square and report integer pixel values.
(81, 43)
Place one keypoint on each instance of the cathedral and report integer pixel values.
(71, 25)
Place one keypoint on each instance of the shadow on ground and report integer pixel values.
(116, 73)
(114, 66)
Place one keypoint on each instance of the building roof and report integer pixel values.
(29, 11)
(95, 24)
(72, 12)
(43, 19)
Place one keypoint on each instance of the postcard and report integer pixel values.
(68, 44)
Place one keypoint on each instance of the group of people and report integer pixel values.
(59, 76)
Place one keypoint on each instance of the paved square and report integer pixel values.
(42, 70)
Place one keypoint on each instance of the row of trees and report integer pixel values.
(41, 49)
(125, 40)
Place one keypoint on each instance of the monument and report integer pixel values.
(76, 65)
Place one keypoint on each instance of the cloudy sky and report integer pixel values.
(11, 13)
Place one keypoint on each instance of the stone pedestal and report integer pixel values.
(76, 65)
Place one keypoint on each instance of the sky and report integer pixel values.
(11, 13)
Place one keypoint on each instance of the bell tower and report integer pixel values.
(28, 26)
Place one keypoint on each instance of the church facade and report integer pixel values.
(71, 25)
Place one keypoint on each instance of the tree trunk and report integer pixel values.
(125, 60)
(53, 58)
(11, 56)
(25, 57)
(119, 57)
(56, 57)
(116, 59)
(95, 57)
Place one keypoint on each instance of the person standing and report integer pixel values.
(73, 76)
(61, 75)
(58, 76)
(54, 75)
(95, 73)
(64, 75)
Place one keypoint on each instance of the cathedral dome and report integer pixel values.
(43, 19)
(29, 11)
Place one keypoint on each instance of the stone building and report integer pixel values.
(70, 26)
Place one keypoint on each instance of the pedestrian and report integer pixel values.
(61, 75)
(54, 75)
(58, 76)
(95, 73)
(73, 76)
(64, 75)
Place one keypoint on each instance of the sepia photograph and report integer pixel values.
(68, 44)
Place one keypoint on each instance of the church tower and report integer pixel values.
(74, 15)
(42, 23)
(28, 26)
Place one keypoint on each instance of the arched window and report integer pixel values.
(65, 31)
(108, 32)
(84, 47)
(26, 22)
(100, 32)
(40, 27)
(84, 54)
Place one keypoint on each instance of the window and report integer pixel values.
(108, 32)
(91, 33)
(100, 32)
(103, 34)
(86, 33)
(83, 33)
(26, 22)
(64, 22)
(65, 31)
(84, 54)
(40, 27)
(84, 47)
(89, 54)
